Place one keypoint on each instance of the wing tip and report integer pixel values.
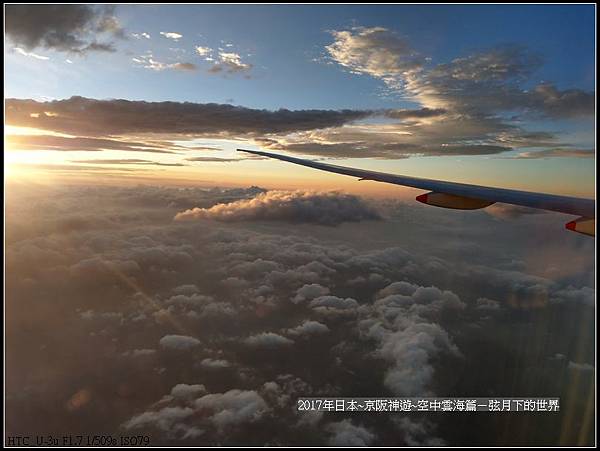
(571, 225)
(422, 198)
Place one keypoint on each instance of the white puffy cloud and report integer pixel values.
(346, 433)
(375, 51)
(143, 35)
(171, 35)
(179, 342)
(405, 324)
(203, 51)
(163, 419)
(308, 292)
(232, 407)
(333, 305)
(187, 391)
(308, 328)
(215, 363)
(229, 63)
(268, 340)
(326, 208)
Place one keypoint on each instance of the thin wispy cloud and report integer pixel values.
(148, 62)
(20, 51)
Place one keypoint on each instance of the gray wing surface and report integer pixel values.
(563, 204)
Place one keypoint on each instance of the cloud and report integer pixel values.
(506, 211)
(90, 117)
(309, 292)
(268, 340)
(233, 407)
(171, 35)
(308, 328)
(572, 295)
(215, 363)
(126, 161)
(374, 51)
(148, 62)
(415, 114)
(346, 433)
(410, 336)
(476, 104)
(230, 63)
(203, 51)
(561, 153)
(418, 432)
(68, 28)
(485, 82)
(581, 367)
(69, 143)
(333, 304)
(179, 342)
(423, 317)
(187, 391)
(143, 35)
(163, 419)
(568, 103)
(369, 146)
(20, 51)
(293, 206)
(215, 159)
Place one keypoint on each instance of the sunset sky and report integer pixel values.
(160, 284)
(492, 95)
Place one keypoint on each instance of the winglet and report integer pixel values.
(571, 225)
(422, 198)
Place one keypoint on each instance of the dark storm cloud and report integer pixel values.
(69, 28)
(82, 116)
(206, 334)
(328, 208)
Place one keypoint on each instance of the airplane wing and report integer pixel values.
(464, 196)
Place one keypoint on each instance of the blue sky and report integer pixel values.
(281, 58)
(283, 41)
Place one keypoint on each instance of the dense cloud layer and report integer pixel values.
(197, 333)
(83, 116)
(325, 208)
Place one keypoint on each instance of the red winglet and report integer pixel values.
(571, 225)
(422, 198)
